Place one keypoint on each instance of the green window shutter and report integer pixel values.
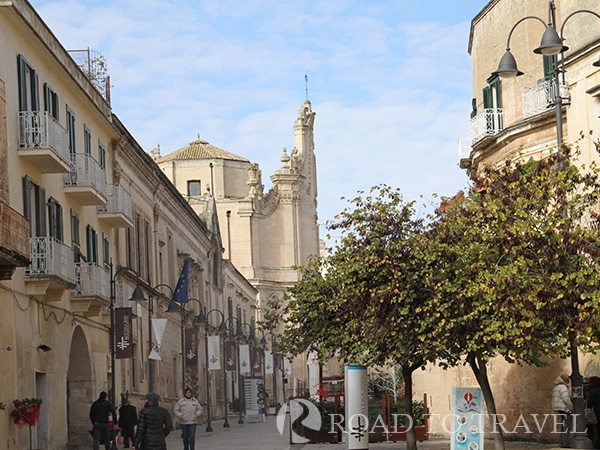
(549, 66)
(487, 97)
(41, 208)
(22, 74)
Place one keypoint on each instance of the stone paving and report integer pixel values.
(265, 436)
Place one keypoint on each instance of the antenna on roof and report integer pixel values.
(306, 82)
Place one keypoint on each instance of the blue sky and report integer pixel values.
(390, 82)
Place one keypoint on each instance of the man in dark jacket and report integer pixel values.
(127, 421)
(154, 425)
(99, 412)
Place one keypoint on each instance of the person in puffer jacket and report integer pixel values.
(188, 410)
(562, 405)
(154, 425)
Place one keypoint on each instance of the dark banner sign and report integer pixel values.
(257, 361)
(123, 333)
(230, 356)
(191, 347)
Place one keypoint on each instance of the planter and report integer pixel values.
(26, 412)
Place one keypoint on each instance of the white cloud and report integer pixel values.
(389, 81)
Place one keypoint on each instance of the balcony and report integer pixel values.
(118, 211)
(464, 152)
(43, 142)
(92, 289)
(487, 123)
(14, 241)
(538, 98)
(87, 181)
(52, 270)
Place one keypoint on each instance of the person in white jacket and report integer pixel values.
(562, 404)
(188, 410)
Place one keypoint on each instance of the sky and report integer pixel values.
(389, 80)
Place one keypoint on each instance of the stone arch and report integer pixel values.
(79, 391)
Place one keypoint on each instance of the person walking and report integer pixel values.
(562, 405)
(188, 410)
(127, 421)
(154, 425)
(99, 412)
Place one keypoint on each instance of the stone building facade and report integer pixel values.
(86, 216)
(266, 233)
(516, 118)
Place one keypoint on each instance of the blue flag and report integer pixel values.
(181, 290)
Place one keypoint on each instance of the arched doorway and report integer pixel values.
(79, 391)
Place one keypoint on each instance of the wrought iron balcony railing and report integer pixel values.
(118, 207)
(538, 98)
(487, 123)
(91, 280)
(50, 257)
(86, 172)
(38, 131)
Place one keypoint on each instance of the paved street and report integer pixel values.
(265, 436)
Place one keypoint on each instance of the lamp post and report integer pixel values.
(203, 318)
(263, 343)
(242, 388)
(138, 295)
(150, 312)
(239, 337)
(551, 45)
(175, 307)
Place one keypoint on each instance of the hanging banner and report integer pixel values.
(191, 347)
(257, 361)
(356, 399)
(159, 326)
(268, 362)
(287, 366)
(276, 361)
(214, 353)
(123, 333)
(467, 427)
(244, 358)
(254, 399)
(230, 356)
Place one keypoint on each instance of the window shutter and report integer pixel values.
(22, 74)
(41, 207)
(487, 97)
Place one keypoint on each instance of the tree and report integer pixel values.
(518, 266)
(361, 302)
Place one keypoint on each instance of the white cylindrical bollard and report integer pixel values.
(357, 408)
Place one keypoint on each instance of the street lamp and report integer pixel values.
(242, 389)
(239, 337)
(263, 343)
(203, 318)
(137, 296)
(179, 308)
(150, 312)
(552, 44)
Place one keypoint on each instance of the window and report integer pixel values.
(29, 95)
(71, 130)
(549, 67)
(105, 250)
(34, 207)
(101, 155)
(50, 101)
(230, 314)
(92, 244)
(87, 140)
(492, 95)
(75, 242)
(55, 219)
(138, 243)
(129, 246)
(193, 188)
(147, 250)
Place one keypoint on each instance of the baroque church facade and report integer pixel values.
(265, 233)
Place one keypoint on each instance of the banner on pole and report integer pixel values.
(123, 333)
(244, 358)
(257, 361)
(268, 362)
(191, 347)
(230, 356)
(159, 326)
(214, 353)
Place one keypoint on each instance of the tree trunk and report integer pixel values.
(411, 436)
(480, 371)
